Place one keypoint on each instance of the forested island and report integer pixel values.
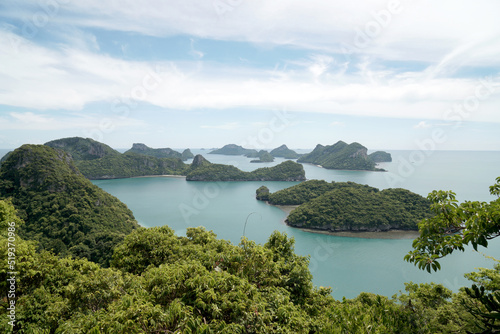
(233, 149)
(203, 170)
(83, 265)
(348, 206)
(97, 161)
(280, 152)
(345, 156)
(284, 152)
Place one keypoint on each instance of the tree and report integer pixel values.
(454, 226)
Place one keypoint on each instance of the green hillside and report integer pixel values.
(206, 171)
(63, 210)
(155, 152)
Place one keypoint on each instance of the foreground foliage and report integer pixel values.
(454, 226)
(163, 283)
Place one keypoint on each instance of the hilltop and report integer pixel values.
(284, 152)
(155, 152)
(96, 160)
(83, 148)
(63, 210)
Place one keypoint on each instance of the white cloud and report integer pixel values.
(337, 124)
(423, 30)
(46, 122)
(39, 78)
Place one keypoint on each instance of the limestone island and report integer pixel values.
(345, 156)
(203, 170)
(348, 207)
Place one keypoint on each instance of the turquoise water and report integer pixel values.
(348, 265)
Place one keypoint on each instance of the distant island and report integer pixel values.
(263, 156)
(380, 156)
(232, 149)
(97, 161)
(348, 206)
(280, 152)
(345, 156)
(202, 170)
(284, 152)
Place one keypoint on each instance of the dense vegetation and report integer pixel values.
(306, 191)
(454, 226)
(130, 165)
(83, 148)
(158, 282)
(232, 149)
(348, 206)
(340, 156)
(155, 152)
(262, 194)
(64, 212)
(161, 283)
(357, 209)
(285, 171)
(284, 152)
(98, 161)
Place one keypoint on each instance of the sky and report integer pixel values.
(392, 74)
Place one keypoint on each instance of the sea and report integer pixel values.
(349, 265)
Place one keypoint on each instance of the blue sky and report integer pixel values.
(388, 74)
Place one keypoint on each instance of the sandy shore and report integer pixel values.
(391, 234)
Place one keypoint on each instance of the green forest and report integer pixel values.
(348, 206)
(161, 283)
(63, 211)
(70, 279)
(285, 171)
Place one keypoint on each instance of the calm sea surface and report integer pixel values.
(348, 265)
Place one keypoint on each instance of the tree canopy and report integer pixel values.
(454, 226)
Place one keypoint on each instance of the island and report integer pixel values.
(348, 206)
(284, 152)
(233, 149)
(263, 156)
(341, 156)
(97, 161)
(187, 154)
(203, 170)
(380, 156)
